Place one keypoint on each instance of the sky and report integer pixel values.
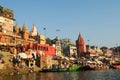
(98, 21)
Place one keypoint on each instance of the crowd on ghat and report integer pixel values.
(22, 59)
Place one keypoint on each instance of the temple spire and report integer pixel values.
(24, 29)
(81, 46)
(33, 31)
(16, 29)
(25, 32)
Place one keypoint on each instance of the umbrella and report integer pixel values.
(1, 56)
(72, 58)
(22, 55)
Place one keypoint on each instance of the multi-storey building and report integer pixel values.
(11, 35)
(6, 20)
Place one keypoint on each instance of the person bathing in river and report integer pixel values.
(1, 60)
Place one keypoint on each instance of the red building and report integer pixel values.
(81, 46)
(43, 49)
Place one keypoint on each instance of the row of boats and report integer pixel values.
(85, 65)
(70, 69)
(78, 68)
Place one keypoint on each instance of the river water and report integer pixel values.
(79, 75)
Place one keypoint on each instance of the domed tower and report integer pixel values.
(17, 29)
(25, 32)
(81, 46)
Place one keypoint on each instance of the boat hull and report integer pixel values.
(70, 69)
(116, 66)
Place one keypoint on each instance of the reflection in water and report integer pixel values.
(80, 75)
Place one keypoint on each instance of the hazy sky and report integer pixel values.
(97, 20)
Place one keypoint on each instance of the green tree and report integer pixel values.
(48, 41)
(104, 48)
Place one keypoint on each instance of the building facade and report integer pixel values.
(12, 35)
(6, 20)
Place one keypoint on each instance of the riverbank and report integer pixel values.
(7, 66)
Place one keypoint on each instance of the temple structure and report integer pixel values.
(81, 46)
(33, 31)
(12, 35)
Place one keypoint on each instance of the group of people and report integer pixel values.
(19, 62)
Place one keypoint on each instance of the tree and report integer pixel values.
(48, 41)
(93, 47)
(104, 48)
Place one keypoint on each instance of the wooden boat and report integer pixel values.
(70, 69)
(116, 66)
(101, 67)
(73, 68)
(91, 67)
(95, 65)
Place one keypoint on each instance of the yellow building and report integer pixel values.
(42, 39)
